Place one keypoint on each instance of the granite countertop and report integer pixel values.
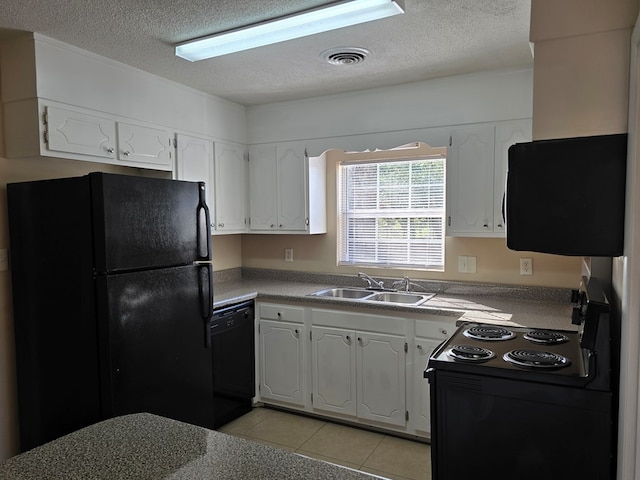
(145, 446)
(510, 305)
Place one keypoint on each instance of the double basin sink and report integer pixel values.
(382, 296)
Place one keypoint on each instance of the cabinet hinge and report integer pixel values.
(406, 347)
(306, 153)
(175, 143)
(45, 118)
(406, 415)
(450, 140)
(312, 397)
(449, 220)
(45, 136)
(310, 336)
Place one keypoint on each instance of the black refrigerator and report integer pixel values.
(113, 299)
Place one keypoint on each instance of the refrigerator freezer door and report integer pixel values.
(154, 343)
(144, 223)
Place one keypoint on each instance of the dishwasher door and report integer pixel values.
(233, 356)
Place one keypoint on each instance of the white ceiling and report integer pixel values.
(434, 38)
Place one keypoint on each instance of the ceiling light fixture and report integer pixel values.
(323, 19)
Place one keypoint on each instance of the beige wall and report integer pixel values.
(495, 263)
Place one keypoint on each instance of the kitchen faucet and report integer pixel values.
(371, 282)
(404, 283)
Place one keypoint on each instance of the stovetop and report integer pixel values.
(548, 356)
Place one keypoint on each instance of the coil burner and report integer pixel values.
(535, 359)
(545, 337)
(470, 353)
(489, 333)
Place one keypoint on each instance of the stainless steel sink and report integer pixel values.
(403, 298)
(343, 292)
(351, 293)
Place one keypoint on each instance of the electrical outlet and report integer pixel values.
(288, 254)
(4, 260)
(526, 266)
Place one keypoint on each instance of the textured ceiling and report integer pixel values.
(434, 38)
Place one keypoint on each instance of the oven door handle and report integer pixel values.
(429, 373)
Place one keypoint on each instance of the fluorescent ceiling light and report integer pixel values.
(336, 15)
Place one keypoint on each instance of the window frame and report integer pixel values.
(345, 217)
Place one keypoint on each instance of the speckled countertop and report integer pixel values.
(145, 446)
(539, 307)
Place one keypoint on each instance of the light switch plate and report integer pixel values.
(288, 254)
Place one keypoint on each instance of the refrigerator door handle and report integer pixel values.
(205, 280)
(204, 234)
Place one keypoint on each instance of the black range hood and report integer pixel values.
(567, 196)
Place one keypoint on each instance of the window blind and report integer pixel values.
(391, 213)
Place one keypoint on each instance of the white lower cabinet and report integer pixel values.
(333, 360)
(282, 354)
(429, 334)
(359, 373)
(360, 367)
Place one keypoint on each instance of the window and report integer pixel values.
(391, 213)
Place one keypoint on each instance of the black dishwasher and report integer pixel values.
(233, 356)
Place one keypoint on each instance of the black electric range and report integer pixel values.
(519, 402)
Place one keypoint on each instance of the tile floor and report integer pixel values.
(372, 452)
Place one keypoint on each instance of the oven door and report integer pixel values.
(486, 427)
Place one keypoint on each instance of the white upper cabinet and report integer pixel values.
(470, 181)
(476, 176)
(230, 188)
(41, 127)
(194, 162)
(223, 167)
(147, 147)
(76, 132)
(287, 190)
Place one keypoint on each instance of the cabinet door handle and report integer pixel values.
(348, 337)
(297, 332)
(126, 153)
(110, 150)
(221, 225)
(419, 347)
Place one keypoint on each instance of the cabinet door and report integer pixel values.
(194, 162)
(263, 194)
(292, 190)
(282, 362)
(71, 131)
(231, 188)
(470, 172)
(334, 370)
(421, 397)
(381, 367)
(149, 147)
(506, 135)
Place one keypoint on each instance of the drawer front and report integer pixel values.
(285, 313)
(434, 329)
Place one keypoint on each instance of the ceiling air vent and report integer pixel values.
(345, 55)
